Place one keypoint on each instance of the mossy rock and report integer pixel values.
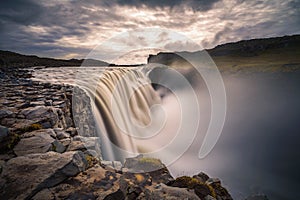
(156, 169)
(9, 142)
(220, 191)
(91, 160)
(13, 140)
(30, 128)
(143, 164)
(201, 189)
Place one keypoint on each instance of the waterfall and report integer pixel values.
(120, 106)
(122, 102)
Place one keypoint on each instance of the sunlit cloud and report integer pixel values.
(73, 28)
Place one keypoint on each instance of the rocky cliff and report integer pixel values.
(43, 157)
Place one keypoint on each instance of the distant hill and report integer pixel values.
(264, 55)
(11, 59)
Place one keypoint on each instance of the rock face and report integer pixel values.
(24, 176)
(82, 113)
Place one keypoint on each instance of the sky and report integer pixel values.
(73, 28)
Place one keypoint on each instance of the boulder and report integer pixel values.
(219, 190)
(143, 164)
(202, 177)
(49, 132)
(153, 166)
(115, 195)
(116, 165)
(36, 112)
(163, 191)
(58, 147)
(40, 143)
(85, 143)
(48, 116)
(61, 134)
(5, 113)
(94, 183)
(18, 124)
(3, 132)
(201, 189)
(42, 113)
(24, 176)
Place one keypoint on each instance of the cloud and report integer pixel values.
(182, 46)
(222, 34)
(20, 11)
(199, 5)
(73, 27)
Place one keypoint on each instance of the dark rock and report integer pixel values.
(143, 164)
(170, 193)
(72, 131)
(38, 112)
(202, 177)
(94, 182)
(24, 176)
(219, 190)
(66, 142)
(61, 134)
(49, 132)
(82, 196)
(40, 143)
(85, 143)
(116, 165)
(153, 166)
(118, 195)
(48, 102)
(5, 113)
(58, 147)
(3, 132)
(44, 194)
(201, 189)
(211, 181)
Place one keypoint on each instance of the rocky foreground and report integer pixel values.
(43, 157)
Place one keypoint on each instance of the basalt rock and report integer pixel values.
(24, 176)
(40, 143)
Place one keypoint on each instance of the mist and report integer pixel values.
(258, 150)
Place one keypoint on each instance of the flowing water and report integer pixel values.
(257, 153)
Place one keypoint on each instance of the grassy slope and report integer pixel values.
(281, 54)
(275, 55)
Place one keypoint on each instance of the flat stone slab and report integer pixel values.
(40, 143)
(24, 176)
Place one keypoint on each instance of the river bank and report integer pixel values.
(43, 157)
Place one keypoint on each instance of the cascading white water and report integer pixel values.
(122, 100)
(128, 115)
